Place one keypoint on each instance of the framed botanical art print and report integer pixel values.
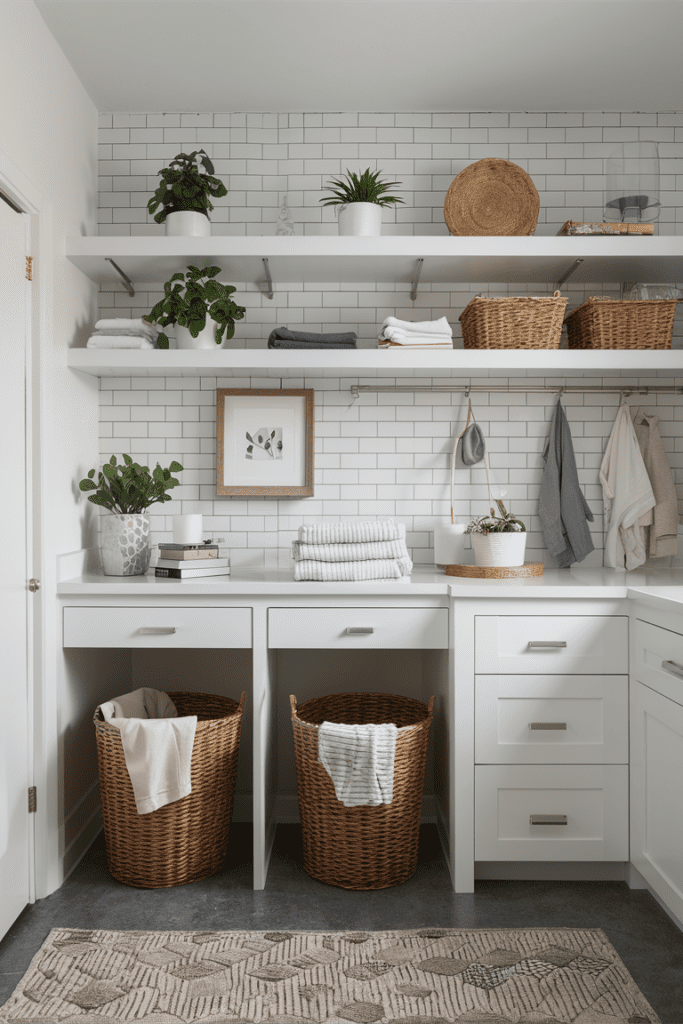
(264, 442)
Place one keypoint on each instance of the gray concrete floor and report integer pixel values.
(645, 938)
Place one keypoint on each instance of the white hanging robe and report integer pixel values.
(627, 494)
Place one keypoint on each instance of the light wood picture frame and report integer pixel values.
(264, 442)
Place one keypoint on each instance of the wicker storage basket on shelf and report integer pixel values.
(621, 323)
(187, 839)
(361, 847)
(514, 322)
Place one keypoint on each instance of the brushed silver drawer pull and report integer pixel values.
(547, 725)
(365, 630)
(547, 643)
(674, 668)
(547, 819)
(157, 630)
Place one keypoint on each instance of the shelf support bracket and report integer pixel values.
(416, 279)
(568, 273)
(127, 283)
(268, 288)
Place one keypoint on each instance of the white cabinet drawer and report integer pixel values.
(592, 644)
(348, 628)
(157, 627)
(658, 656)
(593, 799)
(551, 719)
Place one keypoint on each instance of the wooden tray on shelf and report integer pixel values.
(496, 572)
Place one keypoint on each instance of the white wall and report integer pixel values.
(48, 132)
(387, 454)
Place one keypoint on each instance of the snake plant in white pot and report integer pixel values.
(360, 199)
(498, 540)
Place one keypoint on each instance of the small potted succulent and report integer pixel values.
(127, 491)
(360, 198)
(200, 308)
(184, 194)
(498, 540)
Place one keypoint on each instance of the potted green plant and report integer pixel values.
(360, 198)
(200, 308)
(498, 539)
(127, 491)
(184, 194)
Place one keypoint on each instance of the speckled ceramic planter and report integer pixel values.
(502, 549)
(124, 544)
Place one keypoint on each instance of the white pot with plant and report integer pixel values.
(127, 491)
(498, 540)
(359, 199)
(184, 193)
(199, 307)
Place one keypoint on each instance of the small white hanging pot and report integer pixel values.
(499, 549)
(192, 223)
(205, 339)
(124, 544)
(360, 219)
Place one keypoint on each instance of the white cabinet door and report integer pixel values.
(657, 793)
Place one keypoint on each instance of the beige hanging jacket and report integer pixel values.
(662, 520)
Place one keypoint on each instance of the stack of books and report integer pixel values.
(190, 561)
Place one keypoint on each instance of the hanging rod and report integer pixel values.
(561, 389)
(127, 283)
(416, 279)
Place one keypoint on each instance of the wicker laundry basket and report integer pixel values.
(187, 839)
(361, 847)
(601, 322)
(523, 321)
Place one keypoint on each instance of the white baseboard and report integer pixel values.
(82, 826)
(637, 881)
(549, 871)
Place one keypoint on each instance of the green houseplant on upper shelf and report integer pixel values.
(200, 307)
(184, 194)
(127, 490)
(360, 198)
(498, 540)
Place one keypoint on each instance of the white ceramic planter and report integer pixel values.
(124, 544)
(449, 544)
(188, 222)
(360, 219)
(499, 549)
(205, 339)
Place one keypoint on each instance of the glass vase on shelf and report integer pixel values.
(632, 183)
(285, 221)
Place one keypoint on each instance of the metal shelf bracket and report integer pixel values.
(267, 286)
(568, 273)
(416, 279)
(127, 283)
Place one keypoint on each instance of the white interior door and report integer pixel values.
(14, 737)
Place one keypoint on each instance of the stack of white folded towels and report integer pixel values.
(120, 332)
(352, 551)
(423, 334)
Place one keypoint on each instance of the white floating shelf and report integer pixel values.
(273, 363)
(389, 258)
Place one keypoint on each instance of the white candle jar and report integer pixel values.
(449, 544)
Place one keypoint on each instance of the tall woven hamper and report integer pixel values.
(361, 847)
(187, 839)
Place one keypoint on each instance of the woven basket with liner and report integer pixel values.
(492, 197)
(523, 321)
(361, 847)
(187, 839)
(602, 322)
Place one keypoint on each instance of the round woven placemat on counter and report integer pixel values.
(492, 197)
(496, 572)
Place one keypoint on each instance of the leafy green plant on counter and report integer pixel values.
(129, 488)
(190, 298)
(188, 183)
(503, 523)
(364, 188)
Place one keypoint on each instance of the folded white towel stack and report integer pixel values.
(346, 552)
(157, 746)
(360, 761)
(124, 332)
(409, 334)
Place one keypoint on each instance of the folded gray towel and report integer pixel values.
(309, 339)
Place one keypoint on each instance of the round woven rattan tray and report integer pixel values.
(492, 197)
(496, 572)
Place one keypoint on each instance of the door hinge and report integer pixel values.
(29, 268)
(32, 799)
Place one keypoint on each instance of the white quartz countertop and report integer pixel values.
(662, 585)
(666, 598)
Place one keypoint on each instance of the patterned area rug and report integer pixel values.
(423, 976)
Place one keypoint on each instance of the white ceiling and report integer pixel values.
(374, 55)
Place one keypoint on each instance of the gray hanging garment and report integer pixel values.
(471, 446)
(562, 507)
